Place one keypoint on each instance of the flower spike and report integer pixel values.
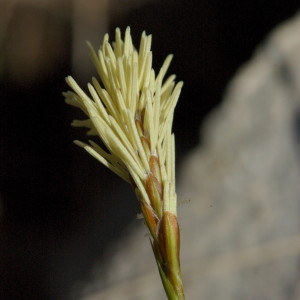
(131, 111)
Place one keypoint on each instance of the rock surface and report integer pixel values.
(241, 228)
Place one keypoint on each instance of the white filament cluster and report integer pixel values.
(130, 92)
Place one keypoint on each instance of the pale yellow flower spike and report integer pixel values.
(131, 111)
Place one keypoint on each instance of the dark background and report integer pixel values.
(59, 206)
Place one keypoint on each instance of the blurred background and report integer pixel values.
(58, 207)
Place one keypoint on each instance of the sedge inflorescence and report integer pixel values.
(131, 110)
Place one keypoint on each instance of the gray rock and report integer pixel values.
(241, 227)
